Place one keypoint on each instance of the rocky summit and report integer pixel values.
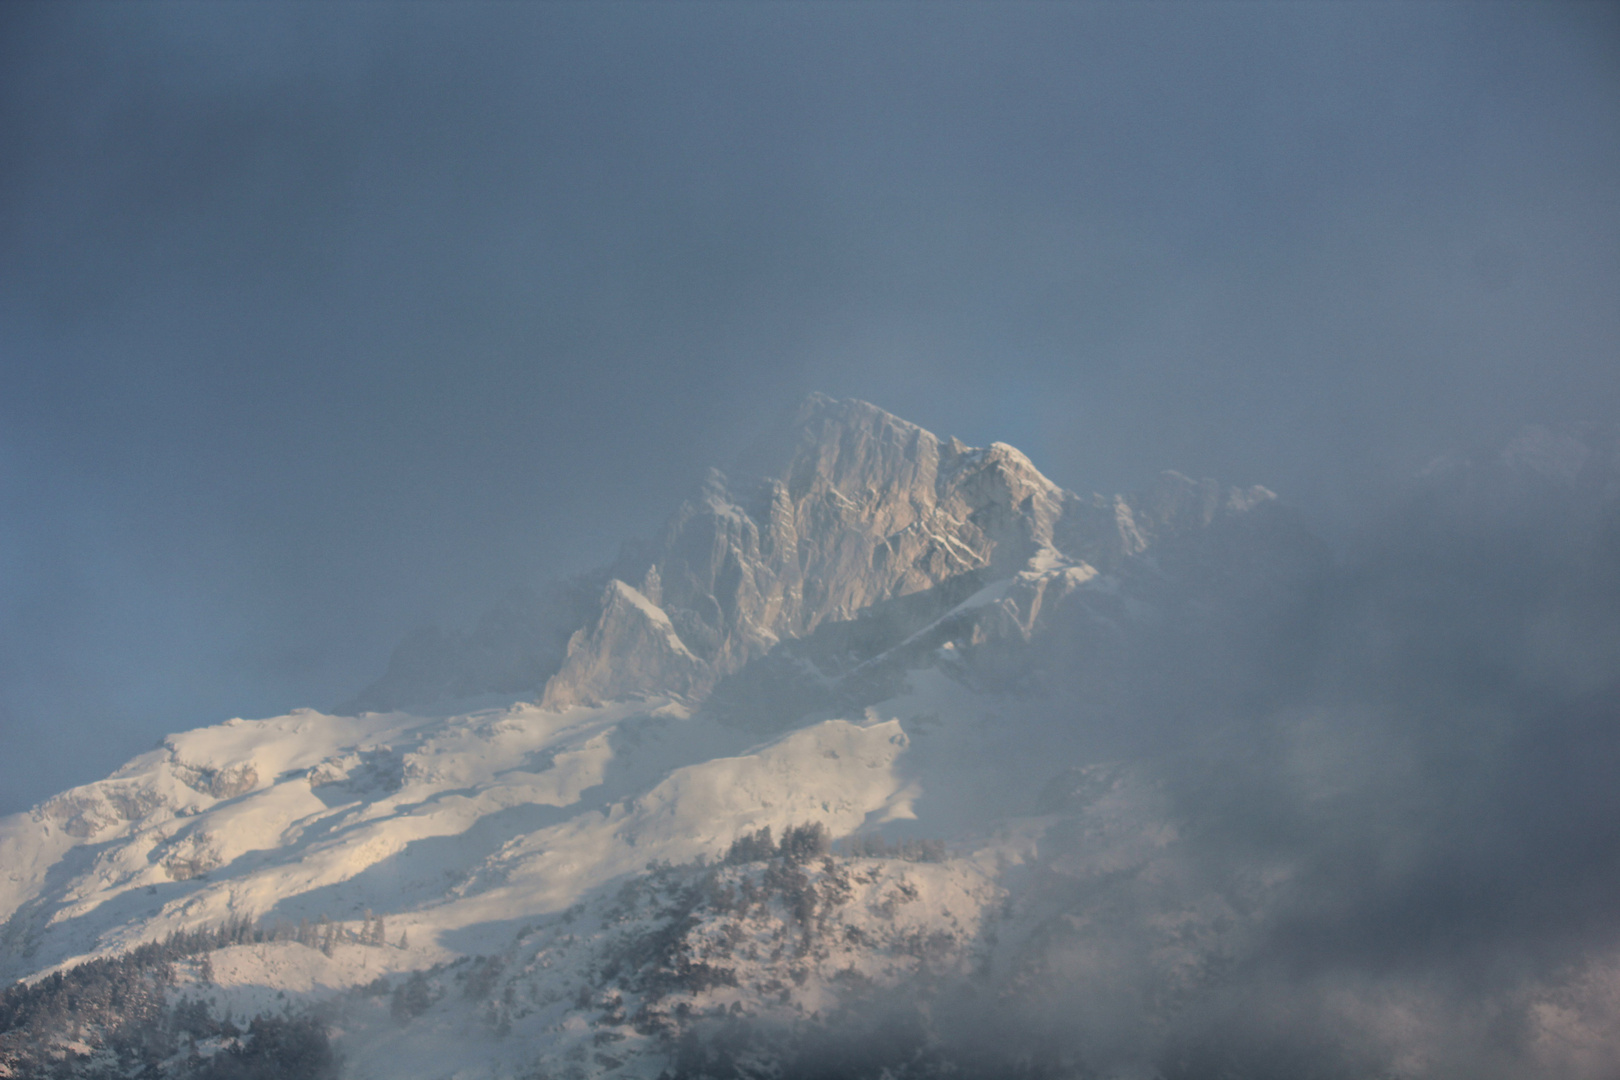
(887, 756)
(845, 509)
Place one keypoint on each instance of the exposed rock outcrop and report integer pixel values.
(843, 508)
(630, 649)
(848, 507)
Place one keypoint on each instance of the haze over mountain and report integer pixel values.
(361, 369)
(888, 756)
(322, 323)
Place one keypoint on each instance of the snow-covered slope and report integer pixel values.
(839, 754)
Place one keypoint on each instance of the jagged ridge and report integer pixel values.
(843, 509)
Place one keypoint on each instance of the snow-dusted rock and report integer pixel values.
(539, 848)
(631, 649)
(847, 508)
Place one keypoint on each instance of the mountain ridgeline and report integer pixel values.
(889, 758)
(847, 509)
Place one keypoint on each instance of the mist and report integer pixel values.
(319, 325)
(1371, 827)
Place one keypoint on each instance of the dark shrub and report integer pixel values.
(276, 1048)
(752, 847)
(802, 843)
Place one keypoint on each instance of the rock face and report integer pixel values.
(631, 647)
(855, 507)
(1080, 721)
(845, 508)
(850, 507)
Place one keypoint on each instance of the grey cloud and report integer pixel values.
(320, 324)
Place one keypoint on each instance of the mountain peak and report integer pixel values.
(847, 443)
(841, 507)
(820, 643)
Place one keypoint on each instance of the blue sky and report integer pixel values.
(321, 322)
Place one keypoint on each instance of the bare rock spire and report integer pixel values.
(841, 507)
